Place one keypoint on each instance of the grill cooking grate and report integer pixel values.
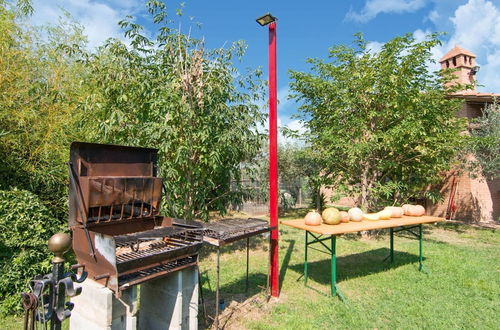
(131, 250)
(229, 230)
(130, 279)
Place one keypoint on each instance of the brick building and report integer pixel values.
(466, 198)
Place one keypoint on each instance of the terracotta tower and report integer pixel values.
(465, 62)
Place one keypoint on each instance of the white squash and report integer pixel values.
(355, 214)
(371, 216)
(313, 218)
(385, 214)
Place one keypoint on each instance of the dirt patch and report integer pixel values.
(241, 309)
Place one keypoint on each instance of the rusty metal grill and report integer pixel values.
(118, 232)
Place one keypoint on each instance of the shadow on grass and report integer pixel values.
(356, 265)
(455, 226)
(286, 261)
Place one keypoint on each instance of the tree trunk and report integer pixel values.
(364, 188)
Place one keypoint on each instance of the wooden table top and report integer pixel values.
(353, 227)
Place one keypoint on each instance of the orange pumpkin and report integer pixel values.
(396, 212)
(419, 210)
(344, 216)
(415, 210)
(405, 208)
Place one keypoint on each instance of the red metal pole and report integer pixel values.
(273, 162)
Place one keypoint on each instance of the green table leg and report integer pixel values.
(305, 260)
(420, 259)
(334, 266)
(392, 245)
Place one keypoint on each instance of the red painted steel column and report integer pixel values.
(273, 161)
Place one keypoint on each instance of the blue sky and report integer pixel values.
(308, 28)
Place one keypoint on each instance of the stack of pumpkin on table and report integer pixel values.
(332, 216)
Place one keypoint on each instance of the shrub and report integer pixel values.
(25, 226)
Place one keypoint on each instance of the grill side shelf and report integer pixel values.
(229, 230)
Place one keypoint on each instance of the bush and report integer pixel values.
(25, 226)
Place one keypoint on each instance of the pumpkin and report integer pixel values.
(396, 212)
(405, 208)
(418, 210)
(355, 214)
(313, 218)
(385, 214)
(411, 211)
(371, 216)
(415, 210)
(331, 216)
(344, 216)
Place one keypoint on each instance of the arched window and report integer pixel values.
(455, 61)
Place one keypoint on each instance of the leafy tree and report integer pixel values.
(171, 93)
(39, 92)
(381, 122)
(486, 141)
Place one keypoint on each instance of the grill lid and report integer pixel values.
(111, 183)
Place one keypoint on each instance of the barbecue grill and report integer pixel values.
(118, 234)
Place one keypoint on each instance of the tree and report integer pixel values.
(381, 121)
(40, 90)
(486, 141)
(39, 95)
(170, 93)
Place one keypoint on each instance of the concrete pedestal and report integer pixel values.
(170, 302)
(97, 308)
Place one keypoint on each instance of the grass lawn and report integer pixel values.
(462, 289)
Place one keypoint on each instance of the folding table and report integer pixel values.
(331, 232)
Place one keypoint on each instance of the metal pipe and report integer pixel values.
(273, 160)
(217, 291)
(248, 257)
(334, 266)
(305, 259)
(420, 257)
(392, 245)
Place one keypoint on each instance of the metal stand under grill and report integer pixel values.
(227, 231)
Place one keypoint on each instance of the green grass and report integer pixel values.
(462, 289)
(11, 322)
